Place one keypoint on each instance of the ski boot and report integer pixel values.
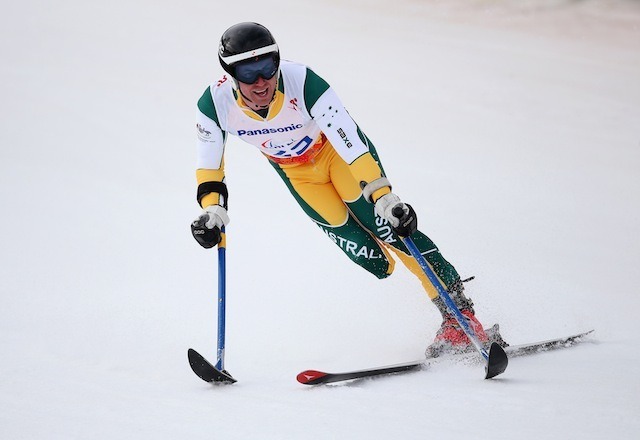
(450, 338)
(493, 333)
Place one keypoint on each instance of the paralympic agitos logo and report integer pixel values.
(291, 127)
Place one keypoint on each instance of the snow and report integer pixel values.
(511, 127)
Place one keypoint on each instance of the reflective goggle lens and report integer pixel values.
(248, 72)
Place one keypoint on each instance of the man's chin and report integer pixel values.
(261, 101)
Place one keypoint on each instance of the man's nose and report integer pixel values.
(260, 81)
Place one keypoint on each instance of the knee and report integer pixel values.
(381, 268)
(382, 275)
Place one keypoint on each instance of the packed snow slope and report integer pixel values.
(513, 128)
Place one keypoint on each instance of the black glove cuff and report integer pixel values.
(213, 187)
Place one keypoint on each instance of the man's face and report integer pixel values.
(260, 93)
(257, 80)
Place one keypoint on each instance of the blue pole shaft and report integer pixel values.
(444, 295)
(222, 248)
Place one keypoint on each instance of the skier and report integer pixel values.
(332, 169)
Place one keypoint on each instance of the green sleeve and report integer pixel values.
(314, 87)
(205, 105)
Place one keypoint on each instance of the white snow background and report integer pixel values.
(513, 128)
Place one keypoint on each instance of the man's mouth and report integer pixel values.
(261, 93)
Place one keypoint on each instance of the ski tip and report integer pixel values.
(310, 377)
(193, 356)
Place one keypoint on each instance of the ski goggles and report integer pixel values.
(248, 72)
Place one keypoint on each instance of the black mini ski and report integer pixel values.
(206, 371)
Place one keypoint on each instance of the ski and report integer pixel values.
(496, 365)
(207, 372)
(498, 358)
(314, 377)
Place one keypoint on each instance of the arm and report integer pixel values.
(327, 110)
(351, 144)
(212, 192)
(210, 158)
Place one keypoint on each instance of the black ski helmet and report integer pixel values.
(244, 41)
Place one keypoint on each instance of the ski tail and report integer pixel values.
(542, 346)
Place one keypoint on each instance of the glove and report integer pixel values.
(206, 228)
(400, 216)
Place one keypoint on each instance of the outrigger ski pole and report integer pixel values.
(199, 364)
(496, 358)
